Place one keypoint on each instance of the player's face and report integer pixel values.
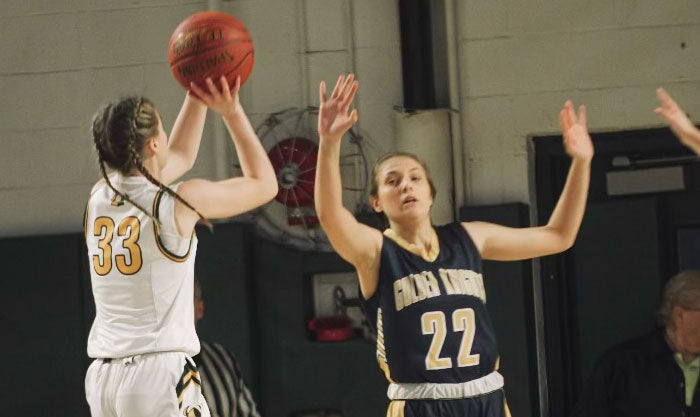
(688, 329)
(403, 189)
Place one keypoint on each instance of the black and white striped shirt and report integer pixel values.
(222, 383)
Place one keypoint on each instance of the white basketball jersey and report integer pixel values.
(142, 278)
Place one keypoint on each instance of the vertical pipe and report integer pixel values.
(458, 167)
(304, 55)
(219, 141)
(538, 297)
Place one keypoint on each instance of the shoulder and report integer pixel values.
(191, 187)
(649, 342)
(469, 233)
(101, 182)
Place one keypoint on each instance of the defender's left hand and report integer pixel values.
(577, 141)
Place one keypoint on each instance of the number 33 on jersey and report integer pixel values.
(127, 237)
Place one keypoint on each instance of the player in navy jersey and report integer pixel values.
(421, 284)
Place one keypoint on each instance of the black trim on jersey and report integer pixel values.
(189, 375)
(85, 220)
(159, 243)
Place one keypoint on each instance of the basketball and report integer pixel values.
(210, 44)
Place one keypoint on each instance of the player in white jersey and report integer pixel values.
(141, 248)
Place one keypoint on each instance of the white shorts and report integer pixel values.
(163, 384)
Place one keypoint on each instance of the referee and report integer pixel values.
(222, 382)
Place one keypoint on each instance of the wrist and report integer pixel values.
(234, 115)
(693, 138)
(329, 138)
(582, 160)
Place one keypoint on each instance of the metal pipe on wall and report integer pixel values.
(219, 140)
(454, 88)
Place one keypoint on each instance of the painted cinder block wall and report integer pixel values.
(63, 59)
(518, 60)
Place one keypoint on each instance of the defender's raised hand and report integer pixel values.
(333, 117)
(678, 120)
(577, 141)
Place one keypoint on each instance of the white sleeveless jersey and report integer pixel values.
(142, 280)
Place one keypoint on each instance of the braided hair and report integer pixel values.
(120, 130)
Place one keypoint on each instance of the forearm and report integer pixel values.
(328, 186)
(568, 213)
(692, 139)
(251, 153)
(187, 130)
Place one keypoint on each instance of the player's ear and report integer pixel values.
(150, 146)
(374, 202)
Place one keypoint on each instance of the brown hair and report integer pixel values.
(120, 130)
(374, 188)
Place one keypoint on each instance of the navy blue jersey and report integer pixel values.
(431, 318)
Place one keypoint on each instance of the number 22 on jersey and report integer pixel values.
(128, 229)
(433, 322)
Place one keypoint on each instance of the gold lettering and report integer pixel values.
(432, 288)
(419, 287)
(464, 281)
(398, 294)
(449, 288)
(415, 287)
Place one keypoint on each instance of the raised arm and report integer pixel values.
(355, 242)
(678, 121)
(184, 139)
(225, 198)
(506, 243)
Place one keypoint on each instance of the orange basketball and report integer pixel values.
(210, 44)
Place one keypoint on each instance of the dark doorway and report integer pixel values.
(642, 224)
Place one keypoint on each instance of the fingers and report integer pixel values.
(347, 85)
(350, 95)
(213, 91)
(343, 86)
(236, 86)
(226, 93)
(668, 105)
(562, 121)
(322, 92)
(201, 94)
(566, 116)
(336, 89)
(350, 120)
(582, 114)
(570, 114)
(663, 96)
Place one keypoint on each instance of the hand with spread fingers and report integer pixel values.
(678, 120)
(577, 141)
(224, 100)
(333, 117)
